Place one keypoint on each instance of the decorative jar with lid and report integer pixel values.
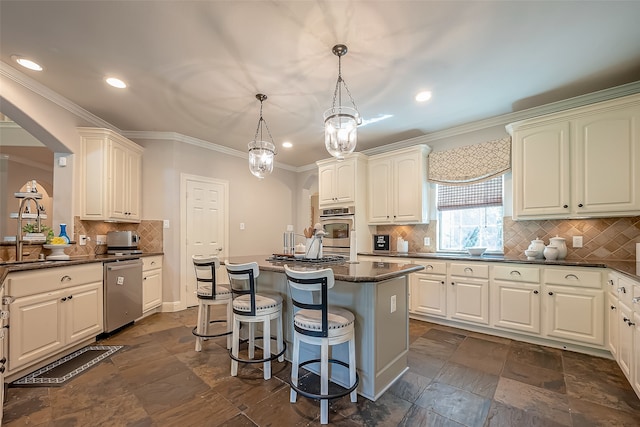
(561, 244)
(537, 245)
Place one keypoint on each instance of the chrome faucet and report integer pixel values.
(19, 240)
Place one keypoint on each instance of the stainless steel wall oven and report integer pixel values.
(339, 224)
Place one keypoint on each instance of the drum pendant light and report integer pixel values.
(341, 121)
(261, 152)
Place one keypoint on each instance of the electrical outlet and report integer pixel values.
(82, 240)
(393, 303)
(165, 223)
(427, 241)
(577, 241)
(242, 226)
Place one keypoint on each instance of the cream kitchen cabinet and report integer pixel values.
(52, 310)
(397, 187)
(516, 298)
(574, 305)
(111, 174)
(151, 283)
(468, 292)
(428, 289)
(342, 182)
(580, 162)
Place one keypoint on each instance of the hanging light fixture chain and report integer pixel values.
(261, 120)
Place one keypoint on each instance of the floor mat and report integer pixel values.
(62, 370)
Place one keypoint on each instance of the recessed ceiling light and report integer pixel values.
(423, 96)
(116, 82)
(287, 144)
(27, 63)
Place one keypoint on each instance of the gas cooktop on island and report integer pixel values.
(333, 259)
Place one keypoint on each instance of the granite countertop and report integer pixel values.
(365, 271)
(629, 268)
(9, 266)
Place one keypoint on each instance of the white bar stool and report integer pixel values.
(210, 293)
(252, 307)
(317, 323)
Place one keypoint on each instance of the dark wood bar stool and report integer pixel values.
(209, 294)
(317, 323)
(253, 307)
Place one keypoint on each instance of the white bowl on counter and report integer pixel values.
(57, 252)
(476, 251)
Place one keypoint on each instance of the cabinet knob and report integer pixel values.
(70, 297)
(613, 307)
(625, 320)
(630, 323)
(4, 314)
(535, 292)
(442, 282)
(622, 289)
(2, 368)
(580, 205)
(63, 299)
(565, 206)
(453, 283)
(3, 361)
(550, 293)
(144, 278)
(611, 282)
(636, 300)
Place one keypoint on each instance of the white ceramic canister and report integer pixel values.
(550, 253)
(537, 245)
(561, 244)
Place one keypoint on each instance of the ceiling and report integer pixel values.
(194, 67)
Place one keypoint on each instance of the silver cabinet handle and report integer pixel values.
(636, 300)
(515, 273)
(7, 300)
(4, 314)
(153, 263)
(65, 278)
(571, 276)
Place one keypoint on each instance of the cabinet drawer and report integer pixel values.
(517, 273)
(432, 267)
(583, 278)
(470, 270)
(23, 283)
(151, 262)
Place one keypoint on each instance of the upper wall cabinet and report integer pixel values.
(579, 163)
(398, 190)
(110, 167)
(342, 182)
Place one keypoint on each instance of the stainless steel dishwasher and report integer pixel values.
(122, 293)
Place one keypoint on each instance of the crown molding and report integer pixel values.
(178, 137)
(22, 79)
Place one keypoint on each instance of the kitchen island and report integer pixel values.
(377, 294)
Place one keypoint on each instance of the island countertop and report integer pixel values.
(363, 271)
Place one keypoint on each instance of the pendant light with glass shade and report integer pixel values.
(341, 121)
(261, 152)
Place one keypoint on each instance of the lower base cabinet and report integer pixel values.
(635, 377)
(51, 310)
(469, 293)
(516, 298)
(151, 283)
(428, 289)
(576, 314)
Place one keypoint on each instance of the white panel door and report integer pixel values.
(205, 227)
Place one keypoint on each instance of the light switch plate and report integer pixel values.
(577, 241)
(427, 241)
(165, 223)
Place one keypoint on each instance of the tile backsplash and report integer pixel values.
(610, 239)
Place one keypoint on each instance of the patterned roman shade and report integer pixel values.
(473, 163)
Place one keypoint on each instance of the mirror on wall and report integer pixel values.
(22, 159)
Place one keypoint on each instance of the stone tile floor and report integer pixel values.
(456, 378)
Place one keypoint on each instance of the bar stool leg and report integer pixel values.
(201, 326)
(229, 321)
(280, 339)
(352, 368)
(324, 381)
(235, 346)
(293, 395)
(266, 345)
(252, 340)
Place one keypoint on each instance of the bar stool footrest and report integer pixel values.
(325, 396)
(268, 359)
(221, 334)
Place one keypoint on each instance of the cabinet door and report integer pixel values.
(576, 314)
(541, 178)
(36, 328)
(379, 191)
(428, 294)
(345, 185)
(134, 175)
(635, 380)
(613, 324)
(151, 289)
(408, 186)
(607, 160)
(469, 300)
(118, 180)
(625, 343)
(83, 312)
(326, 183)
(516, 306)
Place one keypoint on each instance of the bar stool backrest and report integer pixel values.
(242, 279)
(309, 291)
(206, 268)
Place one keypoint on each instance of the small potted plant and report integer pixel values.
(31, 232)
